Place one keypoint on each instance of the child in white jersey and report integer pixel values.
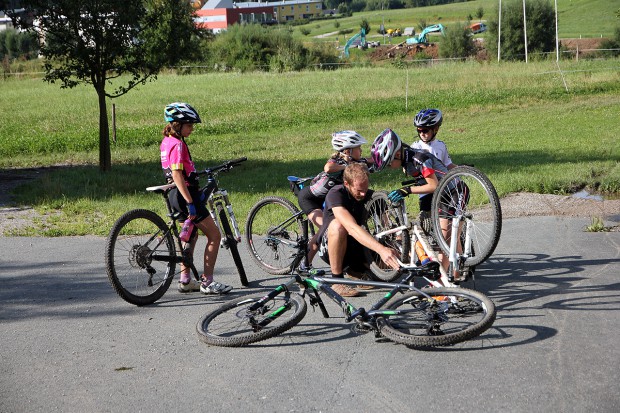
(427, 123)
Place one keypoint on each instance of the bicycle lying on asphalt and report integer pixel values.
(467, 203)
(418, 318)
(142, 250)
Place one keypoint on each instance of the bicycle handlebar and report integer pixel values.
(225, 167)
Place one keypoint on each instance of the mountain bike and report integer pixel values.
(418, 318)
(273, 229)
(142, 250)
(466, 199)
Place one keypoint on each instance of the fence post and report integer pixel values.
(114, 123)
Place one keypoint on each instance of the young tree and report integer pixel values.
(480, 13)
(98, 42)
(458, 42)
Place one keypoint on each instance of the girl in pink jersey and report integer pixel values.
(187, 198)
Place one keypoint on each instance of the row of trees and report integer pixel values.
(15, 44)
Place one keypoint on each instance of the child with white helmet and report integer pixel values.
(348, 147)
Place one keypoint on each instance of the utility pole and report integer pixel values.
(525, 30)
(499, 31)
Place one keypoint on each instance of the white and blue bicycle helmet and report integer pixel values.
(181, 112)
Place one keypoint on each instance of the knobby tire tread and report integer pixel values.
(426, 341)
(111, 250)
(299, 311)
(253, 248)
(380, 270)
(480, 255)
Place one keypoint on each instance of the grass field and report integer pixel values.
(514, 121)
(576, 18)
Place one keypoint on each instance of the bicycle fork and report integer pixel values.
(216, 204)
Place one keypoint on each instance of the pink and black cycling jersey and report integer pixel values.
(420, 164)
(323, 182)
(175, 156)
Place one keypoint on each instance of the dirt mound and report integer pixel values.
(405, 51)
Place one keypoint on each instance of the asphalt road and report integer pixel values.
(68, 343)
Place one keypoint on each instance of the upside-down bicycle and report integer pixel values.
(466, 199)
(142, 250)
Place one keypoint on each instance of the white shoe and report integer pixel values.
(191, 286)
(214, 287)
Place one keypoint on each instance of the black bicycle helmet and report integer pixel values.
(181, 112)
(428, 118)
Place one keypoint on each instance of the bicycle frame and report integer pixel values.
(362, 316)
(455, 258)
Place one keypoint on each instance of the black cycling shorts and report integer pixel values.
(179, 204)
(308, 202)
(354, 257)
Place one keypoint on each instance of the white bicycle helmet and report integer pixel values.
(384, 148)
(181, 112)
(346, 139)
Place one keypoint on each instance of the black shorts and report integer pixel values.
(179, 204)
(308, 202)
(354, 257)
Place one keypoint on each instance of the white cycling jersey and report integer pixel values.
(437, 148)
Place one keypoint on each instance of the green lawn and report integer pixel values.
(576, 18)
(514, 121)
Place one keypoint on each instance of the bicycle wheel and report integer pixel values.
(272, 232)
(380, 217)
(467, 192)
(449, 316)
(235, 325)
(231, 243)
(140, 257)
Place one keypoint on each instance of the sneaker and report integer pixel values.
(188, 287)
(345, 291)
(359, 276)
(214, 287)
(310, 270)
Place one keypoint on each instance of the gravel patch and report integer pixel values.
(513, 206)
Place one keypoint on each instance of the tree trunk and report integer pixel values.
(105, 158)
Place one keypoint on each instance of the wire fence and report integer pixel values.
(405, 63)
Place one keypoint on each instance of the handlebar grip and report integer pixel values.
(238, 160)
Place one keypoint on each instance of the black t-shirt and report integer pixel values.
(338, 196)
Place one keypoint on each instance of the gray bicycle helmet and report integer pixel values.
(428, 118)
(181, 112)
(346, 139)
(384, 148)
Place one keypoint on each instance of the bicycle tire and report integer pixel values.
(453, 315)
(272, 234)
(130, 246)
(483, 207)
(231, 242)
(229, 325)
(380, 216)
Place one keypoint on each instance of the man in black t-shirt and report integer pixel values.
(342, 237)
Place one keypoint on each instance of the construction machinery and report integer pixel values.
(359, 40)
(421, 37)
